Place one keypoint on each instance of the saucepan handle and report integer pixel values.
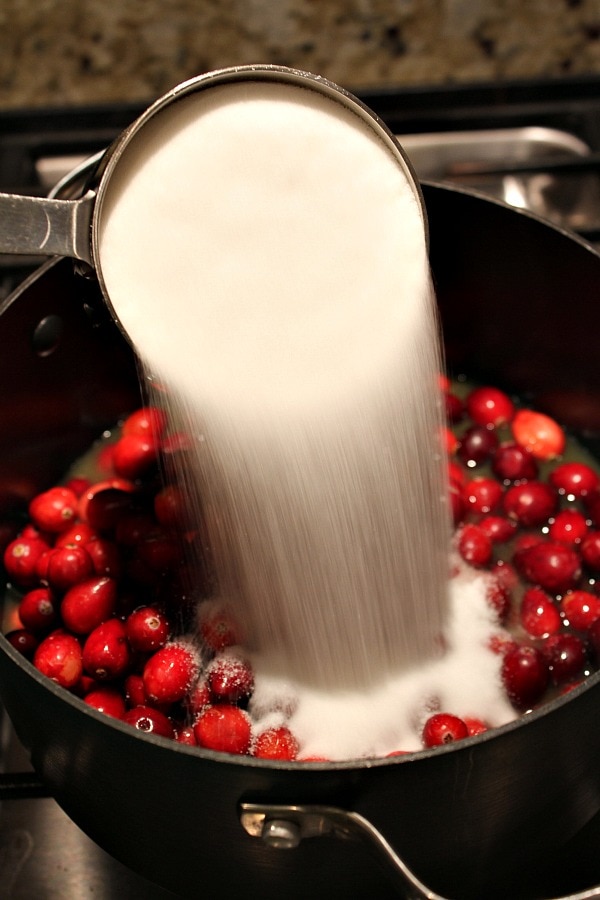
(283, 827)
(34, 226)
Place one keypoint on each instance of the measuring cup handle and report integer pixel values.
(34, 226)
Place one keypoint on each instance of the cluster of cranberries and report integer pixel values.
(103, 611)
(530, 516)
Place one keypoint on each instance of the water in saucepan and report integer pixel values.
(265, 251)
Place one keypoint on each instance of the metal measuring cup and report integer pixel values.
(38, 226)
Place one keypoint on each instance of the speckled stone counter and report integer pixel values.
(63, 52)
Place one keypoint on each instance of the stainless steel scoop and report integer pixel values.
(54, 227)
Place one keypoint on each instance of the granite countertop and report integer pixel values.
(77, 52)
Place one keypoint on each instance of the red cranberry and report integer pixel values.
(276, 743)
(568, 526)
(230, 679)
(41, 566)
(475, 726)
(554, 567)
(80, 533)
(490, 407)
(590, 550)
(170, 672)
(104, 460)
(530, 503)
(574, 479)
(443, 728)
(67, 566)
(106, 558)
(78, 485)
(28, 532)
(88, 604)
(108, 700)
(448, 441)
(505, 574)
(454, 406)
(499, 598)
(58, 657)
(527, 539)
(581, 609)
(37, 610)
(457, 503)
(149, 721)
(474, 546)
(477, 445)
(134, 455)
(198, 698)
(20, 560)
(147, 629)
(500, 643)
(482, 495)
(456, 473)
(218, 628)
(539, 616)
(104, 504)
(513, 463)
(135, 694)
(184, 734)
(170, 507)
(225, 728)
(160, 552)
(499, 529)
(538, 433)
(85, 684)
(106, 653)
(148, 421)
(54, 510)
(24, 641)
(565, 655)
(524, 675)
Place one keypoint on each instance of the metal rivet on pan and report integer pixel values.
(47, 335)
(281, 834)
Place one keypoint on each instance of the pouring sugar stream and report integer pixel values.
(276, 282)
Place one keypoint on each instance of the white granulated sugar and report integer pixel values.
(357, 724)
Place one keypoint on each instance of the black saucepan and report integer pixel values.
(501, 815)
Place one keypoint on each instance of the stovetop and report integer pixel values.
(535, 145)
